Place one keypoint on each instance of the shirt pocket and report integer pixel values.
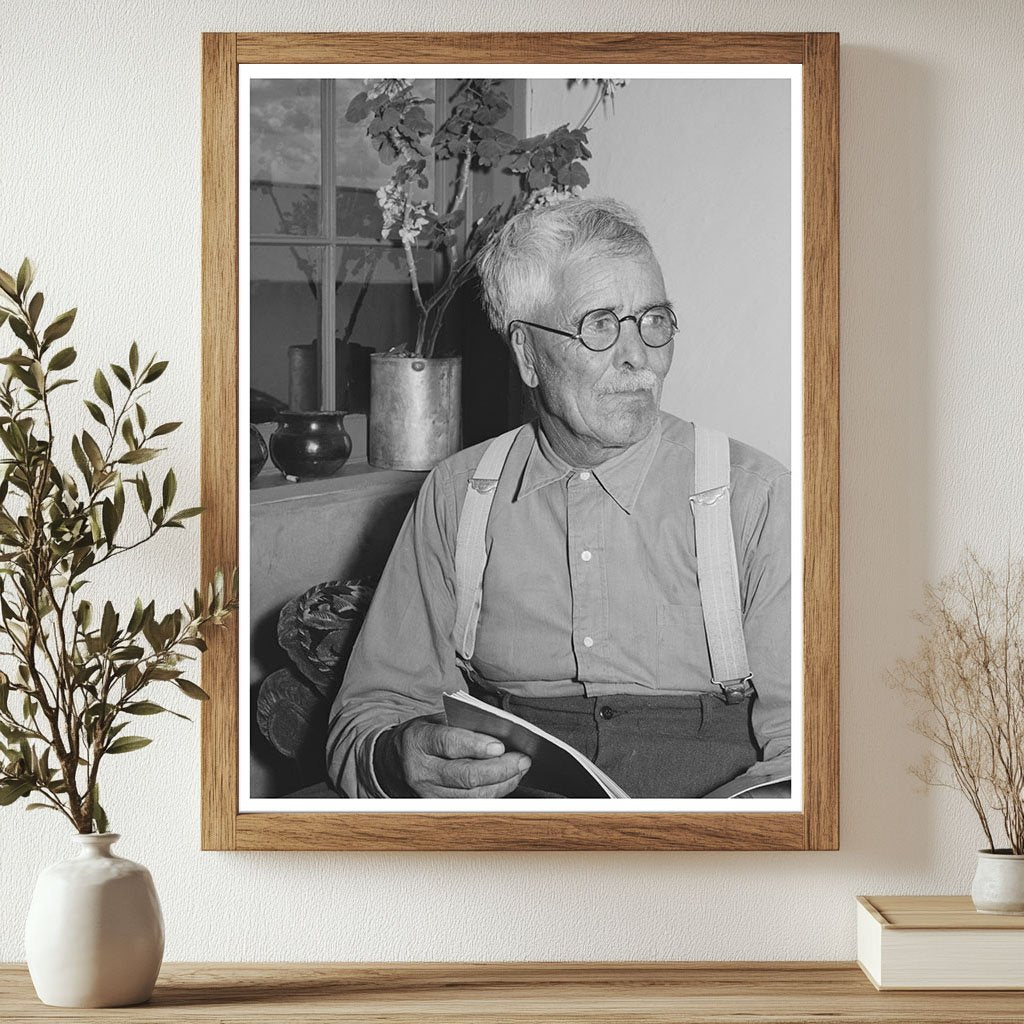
(683, 660)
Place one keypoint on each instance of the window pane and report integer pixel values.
(359, 170)
(375, 310)
(284, 335)
(284, 156)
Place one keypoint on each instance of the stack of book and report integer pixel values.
(938, 942)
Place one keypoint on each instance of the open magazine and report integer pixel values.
(557, 767)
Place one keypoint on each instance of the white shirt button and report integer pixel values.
(586, 556)
(585, 475)
(588, 641)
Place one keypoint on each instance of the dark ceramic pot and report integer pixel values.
(257, 453)
(310, 445)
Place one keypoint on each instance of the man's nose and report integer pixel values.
(630, 349)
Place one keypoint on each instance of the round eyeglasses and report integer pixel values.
(600, 328)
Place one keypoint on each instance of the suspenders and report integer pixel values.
(717, 574)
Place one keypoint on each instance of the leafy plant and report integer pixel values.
(968, 677)
(81, 673)
(547, 165)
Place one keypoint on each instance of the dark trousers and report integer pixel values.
(670, 747)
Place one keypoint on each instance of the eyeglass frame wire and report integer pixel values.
(636, 318)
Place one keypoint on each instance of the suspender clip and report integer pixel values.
(736, 691)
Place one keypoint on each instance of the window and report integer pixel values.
(303, 235)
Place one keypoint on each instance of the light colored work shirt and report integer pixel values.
(590, 589)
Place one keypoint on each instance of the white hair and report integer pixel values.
(518, 263)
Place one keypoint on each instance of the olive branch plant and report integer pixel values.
(967, 682)
(78, 674)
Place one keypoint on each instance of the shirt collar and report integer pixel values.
(622, 476)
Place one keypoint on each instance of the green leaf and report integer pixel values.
(133, 358)
(60, 326)
(170, 487)
(102, 388)
(95, 412)
(165, 428)
(63, 359)
(109, 517)
(138, 455)
(125, 744)
(99, 816)
(128, 433)
(92, 449)
(121, 374)
(42, 807)
(4, 314)
(20, 328)
(81, 461)
(154, 371)
(185, 513)
(147, 707)
(140, 415)
(191, 690)
(26, 273)
(84, 614)
(34, 308)
(145, 497)
(11, 791)
(7, 283)
(108, 626)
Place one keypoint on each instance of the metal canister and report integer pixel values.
(415, 410)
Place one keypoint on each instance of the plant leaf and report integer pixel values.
(63, 359)
(34, 308)
(138, 455)
(165, 428)
(125, 744)
(133, 358)
(102, 388)
(26, 273)
(60, 326)
(154, 371)
(170, 487)
(95, 412)
(185, 513)
(11, 791)
(8, 284)
(99, 816)
(191, 690)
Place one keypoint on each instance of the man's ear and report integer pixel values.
(522, 349)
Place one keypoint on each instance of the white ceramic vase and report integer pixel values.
(999, 883)
(95, 933)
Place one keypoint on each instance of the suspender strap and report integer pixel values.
(470, 545)
(717, 573)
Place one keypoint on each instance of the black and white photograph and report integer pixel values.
(524, 369)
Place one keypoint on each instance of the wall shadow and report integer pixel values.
(887, 462)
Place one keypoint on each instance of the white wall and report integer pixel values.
(100, 183)
(705, 164)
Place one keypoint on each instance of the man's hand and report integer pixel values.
(443, 762)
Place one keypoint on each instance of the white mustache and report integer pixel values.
(642, 380)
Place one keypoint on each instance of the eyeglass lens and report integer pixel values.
(600, 328)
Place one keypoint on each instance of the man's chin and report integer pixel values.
(630, 416)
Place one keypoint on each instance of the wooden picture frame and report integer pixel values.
(816, 826)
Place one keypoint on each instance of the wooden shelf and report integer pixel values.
(658, 993)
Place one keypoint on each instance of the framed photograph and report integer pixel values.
(531, 341)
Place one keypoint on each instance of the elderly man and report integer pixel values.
(592, 618)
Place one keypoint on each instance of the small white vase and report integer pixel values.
(999, 883)
(95, 933)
